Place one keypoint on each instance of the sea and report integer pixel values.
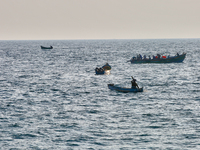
(52, 99)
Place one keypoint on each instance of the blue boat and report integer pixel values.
(99, 71)
(103, 70)
(124, 89)
(159, 59)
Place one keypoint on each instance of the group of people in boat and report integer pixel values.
(158, 56)
(99, 69)
(103, 69)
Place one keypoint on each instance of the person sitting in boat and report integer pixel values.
(133, 58)
(177, 54)
(158, 56)
(134, 84)
(140, 56)
(149, 57)
(145, 57)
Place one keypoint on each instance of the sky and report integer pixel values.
(99, 19)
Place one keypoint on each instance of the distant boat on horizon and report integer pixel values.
(43, 47)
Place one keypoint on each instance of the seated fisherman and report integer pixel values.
(158, 56)
(140, 56)
(134, 84)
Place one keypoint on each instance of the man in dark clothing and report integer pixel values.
(134, 84)
(158, 56)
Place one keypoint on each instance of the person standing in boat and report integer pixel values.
(134, 84)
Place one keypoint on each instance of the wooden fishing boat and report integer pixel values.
(163, 59)
(42, 47)
(123, 89)
(103, 70)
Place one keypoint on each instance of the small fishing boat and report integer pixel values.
(42, 47)
(103, 70)
(159, 59)
(124, 89)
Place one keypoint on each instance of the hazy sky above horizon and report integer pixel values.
(99, 19)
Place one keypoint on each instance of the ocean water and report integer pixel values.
(52, 99)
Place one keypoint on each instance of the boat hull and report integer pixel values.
(175, 59)
(105, 72)
(125, 90)
(100, 72)
(42, 47)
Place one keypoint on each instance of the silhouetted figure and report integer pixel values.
(134, 84)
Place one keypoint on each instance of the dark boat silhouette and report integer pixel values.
(43, 47)
(103, 70)
(124, 89)
(158, 59)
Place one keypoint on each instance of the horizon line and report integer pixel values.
(95, 39)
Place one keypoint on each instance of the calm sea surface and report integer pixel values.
(52, 99)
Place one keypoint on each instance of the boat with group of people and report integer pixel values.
(105, 69)
(158, 59)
